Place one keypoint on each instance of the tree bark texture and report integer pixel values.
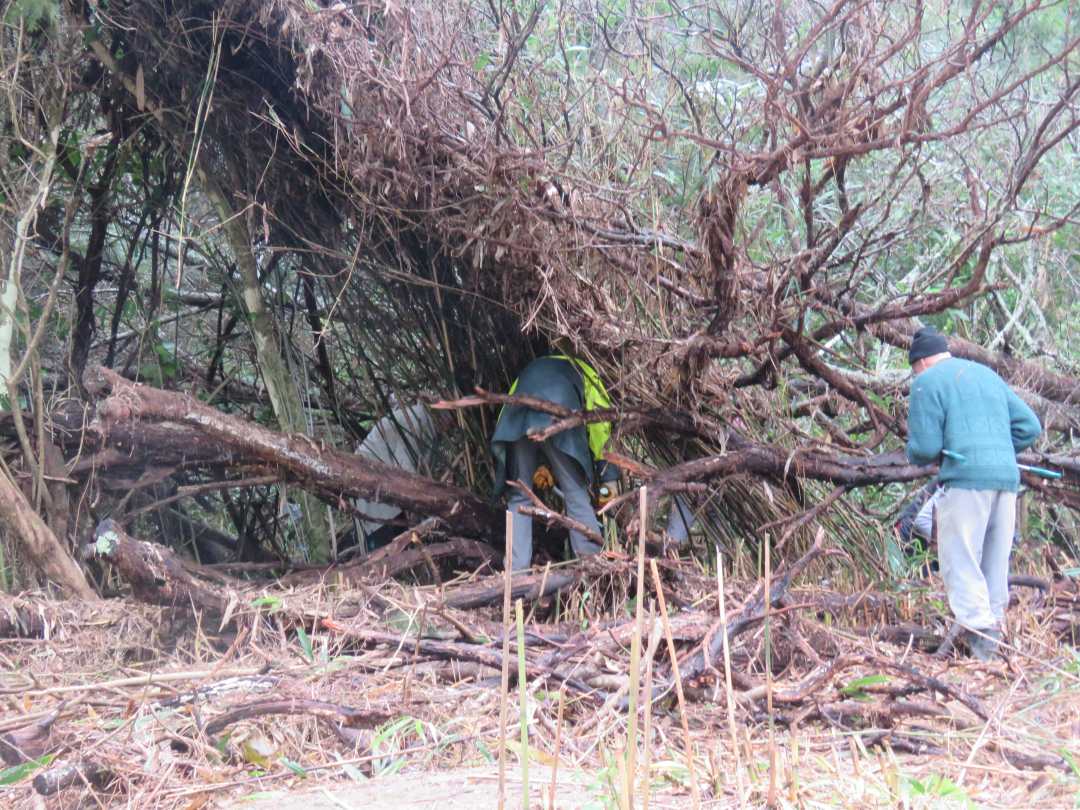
(313, 465)
(153, 571)
(38, 542)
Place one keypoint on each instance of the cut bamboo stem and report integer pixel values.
(771, 799)
(152, 679)
(623, 775)
(695, 793)
(558, 747)
(647, 696)
(635, 651)
(504, 695)
(729, 690)
(523, 694)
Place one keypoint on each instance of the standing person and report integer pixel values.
(965, 416)
(574, 456)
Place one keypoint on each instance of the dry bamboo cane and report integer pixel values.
(730, 691)
(523, 696)
(771, 799)
(647, 696)
(635, 652)
(695, 793)
(505, 683)
(558, 747)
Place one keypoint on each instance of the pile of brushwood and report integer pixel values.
(646, 673)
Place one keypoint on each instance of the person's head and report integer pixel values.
(928, 347)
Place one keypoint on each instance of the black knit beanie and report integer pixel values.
(927, 342)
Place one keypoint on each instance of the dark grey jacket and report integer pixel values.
(558, 381)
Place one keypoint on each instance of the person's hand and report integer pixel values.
(542, 478)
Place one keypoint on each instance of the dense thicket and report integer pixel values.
(296, 212)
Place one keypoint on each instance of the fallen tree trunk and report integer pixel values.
(127, 447)
(41, 546)
(153, 571)
(157, 576)
(312, 465)
(527, 587)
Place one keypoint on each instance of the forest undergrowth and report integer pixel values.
(831, 697)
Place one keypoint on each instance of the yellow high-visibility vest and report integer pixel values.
(596, 397)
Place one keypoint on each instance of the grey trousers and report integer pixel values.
(975, 535)
(523, 461)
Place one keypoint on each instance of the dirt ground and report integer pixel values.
(458, 789)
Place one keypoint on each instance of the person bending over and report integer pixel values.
(574, 457)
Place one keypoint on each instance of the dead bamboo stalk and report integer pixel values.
(558, 747)
(647, 696)
(523, 697)
(695, 792)
(635, 650)
(505, 682)
(149, 679)
(729, 690)
(771, 800)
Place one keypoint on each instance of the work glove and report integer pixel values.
(605, 494)
(542, 478)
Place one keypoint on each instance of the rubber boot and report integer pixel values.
(984, 645)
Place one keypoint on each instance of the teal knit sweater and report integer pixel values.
(965, 407)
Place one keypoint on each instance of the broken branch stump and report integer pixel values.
(153, 571)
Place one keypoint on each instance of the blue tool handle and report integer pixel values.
(1041, 471)
(1045, 473)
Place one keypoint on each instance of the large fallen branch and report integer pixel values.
(81, 773)
(1018, 371)
(527, 587)
(153, 571)
(128, 447)
(325, 710)
(158, 576)
(742, 456)
(312, 465)
(37, 541)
